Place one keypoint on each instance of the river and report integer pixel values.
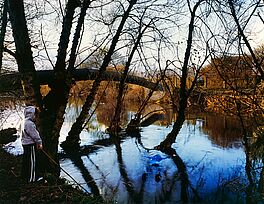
(209, 167)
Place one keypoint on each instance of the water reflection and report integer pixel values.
(75, 157)
(207, 163)
(223, 131)
(130, 176)
(135, 196)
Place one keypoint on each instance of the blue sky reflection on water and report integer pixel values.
(214, 164)
(208, 164)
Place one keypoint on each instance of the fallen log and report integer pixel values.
(11, 81)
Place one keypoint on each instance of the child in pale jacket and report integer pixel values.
(31, 142)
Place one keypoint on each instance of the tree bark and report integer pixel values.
(114, 126)
(75, 43)
(73, 137)
(183, 92)
(3, 31)
(56, 100)
(23, 53)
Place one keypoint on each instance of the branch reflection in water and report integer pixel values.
(209, 164)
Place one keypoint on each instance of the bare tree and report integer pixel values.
(144, 47)
(53, 105)
(184, 92)
(241, 32)
(240, 69)
(73, 136)
(114, 126)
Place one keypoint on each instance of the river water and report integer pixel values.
(210, 165)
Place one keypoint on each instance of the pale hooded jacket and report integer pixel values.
(30, 134)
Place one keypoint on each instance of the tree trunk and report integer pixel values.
(24, 54)
(115, 126)
(73, 137)
(171, 137)
(56, 100)
(3, 31)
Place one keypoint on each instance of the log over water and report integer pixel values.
(11, 81)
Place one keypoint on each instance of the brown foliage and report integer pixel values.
(223, 72)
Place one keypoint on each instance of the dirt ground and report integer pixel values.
(14, 190)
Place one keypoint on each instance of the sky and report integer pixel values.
(94, 31)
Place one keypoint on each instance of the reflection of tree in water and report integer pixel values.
(137, 191)
(261, 182)
(140, 195)
(105, 112)
(255, 166)
(106, 98)
(105, 109)
(223, 131)
(186, 194)
(78, 162)
(136, 197)
(169, 183)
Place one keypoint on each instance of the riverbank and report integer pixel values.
(13, 190)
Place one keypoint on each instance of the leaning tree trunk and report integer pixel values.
(114, 126)
(241, 32)
(73, 137)
(183, 92)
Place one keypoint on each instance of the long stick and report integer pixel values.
(51, 159)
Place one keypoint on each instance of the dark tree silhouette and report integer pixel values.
(73, 137)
